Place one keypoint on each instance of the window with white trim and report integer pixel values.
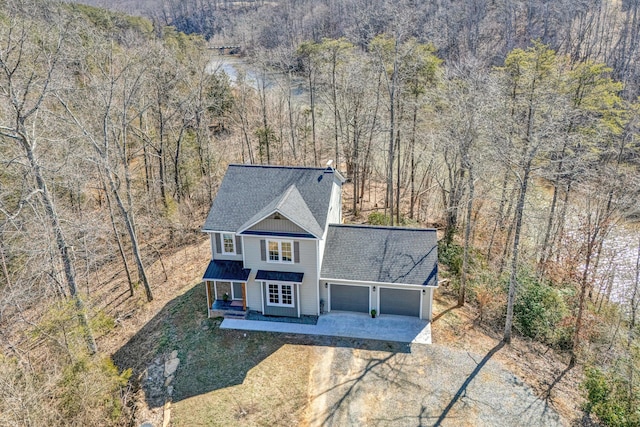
(280, 251)
(280, 295)
(287, 251)
(228, 243)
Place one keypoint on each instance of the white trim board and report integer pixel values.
(369, 282)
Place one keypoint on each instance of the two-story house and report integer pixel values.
(278, 247)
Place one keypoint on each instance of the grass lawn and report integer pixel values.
(224, 377)
(229, 379)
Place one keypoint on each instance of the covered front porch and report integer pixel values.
(226, 286)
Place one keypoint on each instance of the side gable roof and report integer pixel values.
(381, 254)
(303, 195)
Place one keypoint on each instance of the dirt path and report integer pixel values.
(320, 380)
(430, 385)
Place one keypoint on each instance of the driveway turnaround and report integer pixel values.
(431, 385)
(350, 325)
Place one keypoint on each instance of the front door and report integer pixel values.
(237, 291)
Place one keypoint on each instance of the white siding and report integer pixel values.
(253, 293)
(279, 225)
(222, 256)
(307, 265)
(213, 245)
(335, 208)
(321, 246)
(427, 303)
(324, 294)
(334, 217)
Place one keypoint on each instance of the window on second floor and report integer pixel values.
(280, 251)
(228, 243)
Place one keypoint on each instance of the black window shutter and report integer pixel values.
(238, 245)
(218, 244)
(263, 250)
(296, 252)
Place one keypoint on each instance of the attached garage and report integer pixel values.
(395, 269)
(403, 302)
(349, 298)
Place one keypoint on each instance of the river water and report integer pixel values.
(236, 68)
(618, 261)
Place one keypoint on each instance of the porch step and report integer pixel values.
(235, 315)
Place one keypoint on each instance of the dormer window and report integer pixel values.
(228, 243)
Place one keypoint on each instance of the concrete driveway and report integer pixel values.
(350, 325)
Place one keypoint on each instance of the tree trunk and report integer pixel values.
(583, 293)
(312, 107)
(335, 111)
(63, 248)
(116, 233)
(367, 155)
(177, 192)
(467, 234)
(292, 126)
(161, 160)
(392, 89)
(356, 162)
(129, 222)
(545, 251)
(412, 148)
(265, 123)
(514, 256)
(398, 178)
(632, 326)
(500, 218)
(507, 242)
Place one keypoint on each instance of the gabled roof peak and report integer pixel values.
(292, 206)
(249, 193)
(283, 199)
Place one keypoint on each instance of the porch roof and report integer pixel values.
(226, 270)
(279, 276)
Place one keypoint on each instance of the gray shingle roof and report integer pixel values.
(292, 206)
(301, 194)
(381, 254)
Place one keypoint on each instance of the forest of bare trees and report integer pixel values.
(462, 31)
(512, 127)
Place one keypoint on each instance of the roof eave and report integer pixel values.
(247, 227)
(329, 279)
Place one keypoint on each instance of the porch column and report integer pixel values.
(208, 286)
(244, 296)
